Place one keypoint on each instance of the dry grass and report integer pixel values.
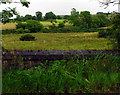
(8, 26)
(13, 25)
(47, 24)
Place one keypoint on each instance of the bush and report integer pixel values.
(20, 30)
(45, 30)
(8, 31)
(105, 33)
(27, 37)
(116, 30)
(26, 31)
(100, 20)
(61, 25)
(52, 26)
(21, 25)
(33, 26)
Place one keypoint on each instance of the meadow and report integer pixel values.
(57, 41)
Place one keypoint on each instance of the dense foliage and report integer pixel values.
(113, 32)
(39, 15)
(50, 15)
(96, 75)
(86, 20)
(32, 25)
(6, 14)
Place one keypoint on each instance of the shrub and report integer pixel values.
(116, 36)
(27, 37)
(52, 26)
(61, 25)
(21, 25)
(8, 31)
(34, 26)
(116, 30)
(26, 31)
(19, 30)
(105, 33)
(45, 30)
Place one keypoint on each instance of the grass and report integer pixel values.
(56, 41)
(96, 75)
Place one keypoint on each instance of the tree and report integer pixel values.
(50, 15)
(106, 3)
(39, 15)
(86, 18)
(100, 20)
(74, 13)
(66, 17)
(28, 17)
(58, 17)
(74, 17)
(34, 18)
(8, 13)
(115, 21)
(23, 2)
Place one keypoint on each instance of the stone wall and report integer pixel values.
(30, 58)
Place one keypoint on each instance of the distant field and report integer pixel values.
(58, 20)
(8, 26)
(45, 23)
(57, 41)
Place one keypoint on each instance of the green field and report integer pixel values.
(57, 41)
(58, 20)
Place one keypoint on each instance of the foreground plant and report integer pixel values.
(97, 75)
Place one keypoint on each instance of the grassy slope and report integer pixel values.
(56, 41)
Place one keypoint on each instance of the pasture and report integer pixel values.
(57, 41)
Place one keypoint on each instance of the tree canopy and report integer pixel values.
(50, 15)
(39, 15)
(6, 14)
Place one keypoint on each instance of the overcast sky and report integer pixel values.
(60, 7)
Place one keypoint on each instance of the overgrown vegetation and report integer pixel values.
(113, 32)
(94, 75)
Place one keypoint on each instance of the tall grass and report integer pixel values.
(97, 75)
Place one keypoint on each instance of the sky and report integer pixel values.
(60, 7)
